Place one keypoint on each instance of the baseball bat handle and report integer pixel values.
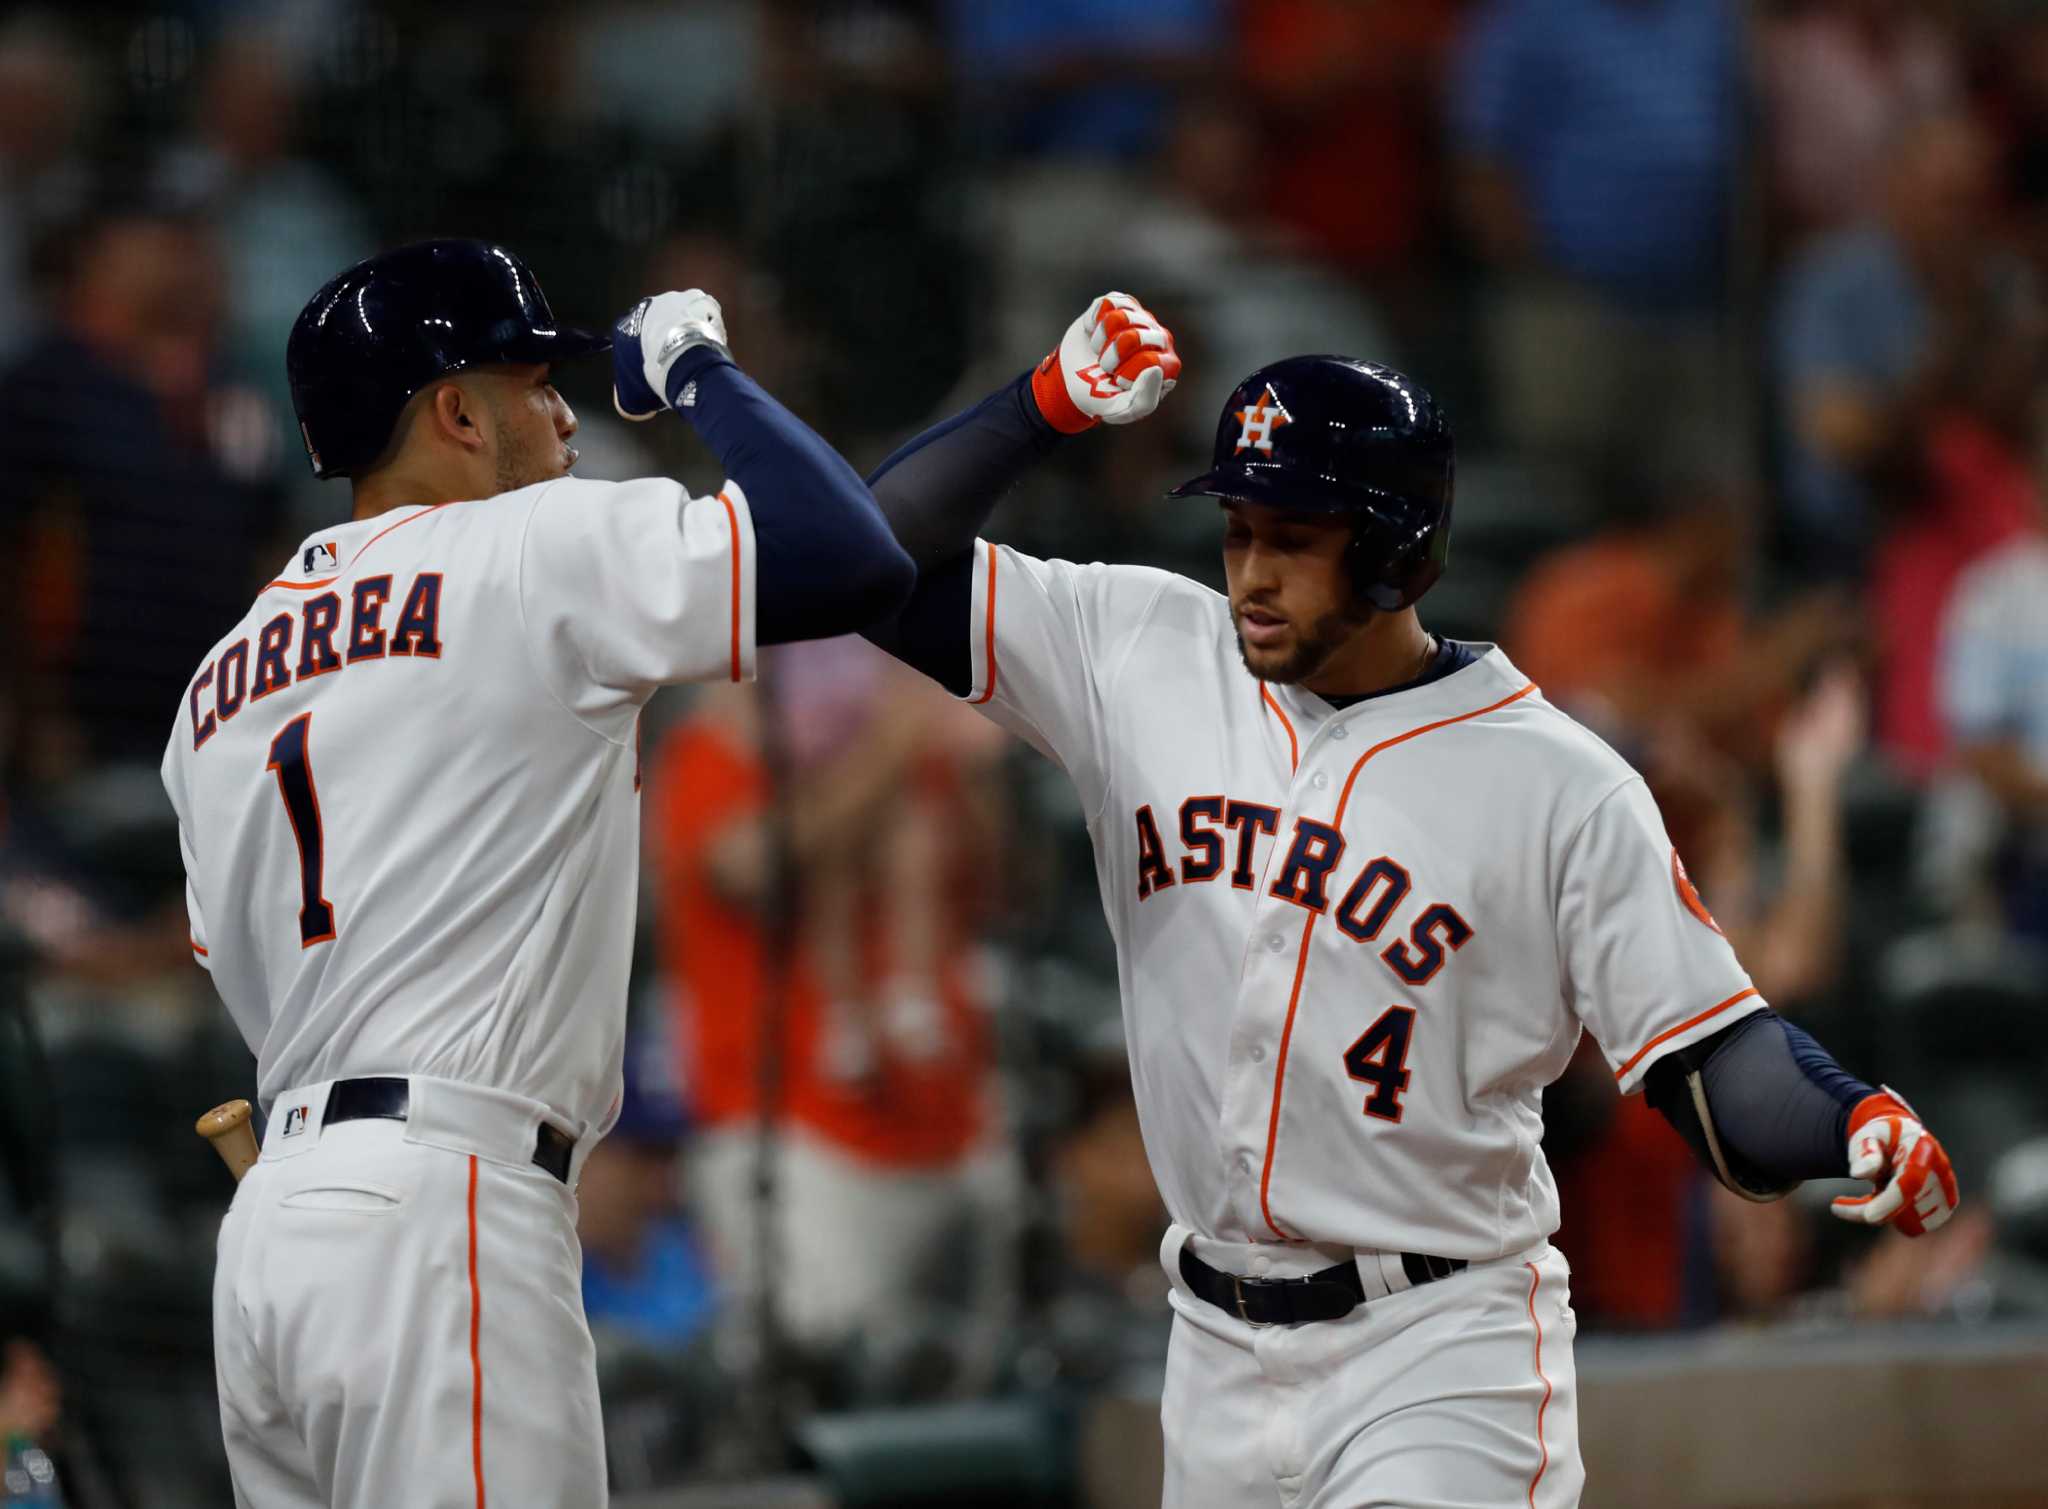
(229, 1128)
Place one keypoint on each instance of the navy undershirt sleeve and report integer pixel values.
(1779, 1101)
(826, 561)
(937, 492)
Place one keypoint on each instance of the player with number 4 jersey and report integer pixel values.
(1367, 887)
(407, 786)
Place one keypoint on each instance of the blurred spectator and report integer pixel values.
(1994, 695)
(284, 225)
(2016, 106)
(1762, 1255)
(1600, 142)
(1785, 912)
(1975, 486)
(1883, 328)
(645, 1281)
(859, 207)
(1632, 1260)
(130, 546)
(29, 1394)
(1842, 80)
(677, 72)
(891, 1179)
(43, 94)
(1352, 90)
(1074, 79)
(1104, 1302)
(1644, 627)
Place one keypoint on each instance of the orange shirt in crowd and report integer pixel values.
(1610, 614)
(917, 1115)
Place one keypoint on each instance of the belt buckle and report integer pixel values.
(1237, 1288)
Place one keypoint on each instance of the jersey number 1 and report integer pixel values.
(290, 762)
(1380, 1058)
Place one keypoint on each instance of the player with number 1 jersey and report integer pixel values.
(407, 786)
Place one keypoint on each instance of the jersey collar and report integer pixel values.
(1486, 680)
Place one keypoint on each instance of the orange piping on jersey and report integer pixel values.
(430, 508)
(331, 580)
(1293, 744)
(476, 1357)
(1301, 962)
(1544, 1465)
(991, 691)
(199, 948)
(1308, 931)
(732, 522)
(1670, 1032)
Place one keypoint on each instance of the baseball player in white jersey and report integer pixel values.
(1366, 886)
(407, 789)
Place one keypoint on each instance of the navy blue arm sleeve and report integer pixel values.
(1779, 1101)
(937, 492)
(826, 560)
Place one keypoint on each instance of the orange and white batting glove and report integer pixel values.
(1112, 366)
(1916, 1187)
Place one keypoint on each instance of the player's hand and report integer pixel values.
(1916, 1188)
(1112, 366)
(650, 337)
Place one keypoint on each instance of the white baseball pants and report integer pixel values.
(398, 1314)
(1459, 1394)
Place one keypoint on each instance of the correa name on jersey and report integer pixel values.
(297, 646)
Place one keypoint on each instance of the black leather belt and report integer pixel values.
(1326, 1295)
(390, 1099)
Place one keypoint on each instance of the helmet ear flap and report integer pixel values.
(1393, 579)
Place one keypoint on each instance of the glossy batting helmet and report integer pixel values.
(1328, 434)
(389, 326)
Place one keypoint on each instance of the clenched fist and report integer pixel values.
(1916, 1187)
(649, 338)
(1112, 366)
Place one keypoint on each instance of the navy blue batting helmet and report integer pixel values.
(1329, 434)
(389, 326)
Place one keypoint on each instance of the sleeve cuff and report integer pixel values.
(981, 628)
(741, 662)
(1629, 1075)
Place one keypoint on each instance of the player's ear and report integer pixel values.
(456, 414)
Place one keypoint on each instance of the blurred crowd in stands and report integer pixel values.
(1738, 309)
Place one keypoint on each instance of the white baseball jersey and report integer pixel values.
(407, 782)
(1353, 945)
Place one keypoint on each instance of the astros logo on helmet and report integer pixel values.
(1260, 420)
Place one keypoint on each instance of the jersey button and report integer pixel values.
(1275, 942)
(1260, 1265)
(1340, 731)
(1244, 1167)
(1258, 1055)
(1320, 780)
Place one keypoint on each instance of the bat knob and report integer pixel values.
(227, 1127)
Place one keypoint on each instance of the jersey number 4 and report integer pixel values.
(291, 763)
(1380, 1058)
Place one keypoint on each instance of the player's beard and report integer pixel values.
(520, 461)
(1312, 649)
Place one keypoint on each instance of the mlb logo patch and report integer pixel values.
(1259, 421)
(294, 1122)
(319, 558)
